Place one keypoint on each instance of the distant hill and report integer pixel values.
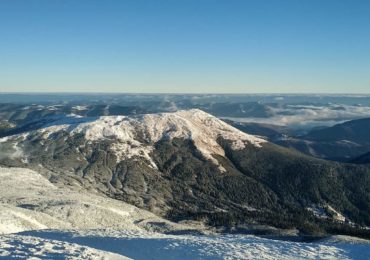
(341, 142)
(249, 109)
(267, 130)
(363, 159)
(357, 131)
(340, 151)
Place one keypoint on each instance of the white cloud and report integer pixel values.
(300, 116)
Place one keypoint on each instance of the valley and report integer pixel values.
(75, 174)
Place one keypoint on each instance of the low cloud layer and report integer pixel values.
(304, 116)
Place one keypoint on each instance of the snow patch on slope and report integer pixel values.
(326, 211)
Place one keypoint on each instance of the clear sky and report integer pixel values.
(229, 46)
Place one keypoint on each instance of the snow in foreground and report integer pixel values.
(106, 244)
(41, 220)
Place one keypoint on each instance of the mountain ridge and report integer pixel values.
(136, 134)
(239, 179)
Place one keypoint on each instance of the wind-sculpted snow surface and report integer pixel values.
(29, 247)
(110, 244)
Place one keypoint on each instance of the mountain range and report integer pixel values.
(341, 142)
(191, 165)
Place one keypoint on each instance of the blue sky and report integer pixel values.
(229, 46)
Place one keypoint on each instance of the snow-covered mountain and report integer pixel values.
(191, 165)
(135, 136)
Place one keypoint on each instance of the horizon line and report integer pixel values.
(179, 93)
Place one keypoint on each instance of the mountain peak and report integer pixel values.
(202, 128)
(136, 135)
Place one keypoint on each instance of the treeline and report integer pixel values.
(305, 222)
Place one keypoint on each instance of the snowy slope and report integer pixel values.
(62, 222)
(110, 244)
(28, 201)
(29, 247)
(136, 135)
